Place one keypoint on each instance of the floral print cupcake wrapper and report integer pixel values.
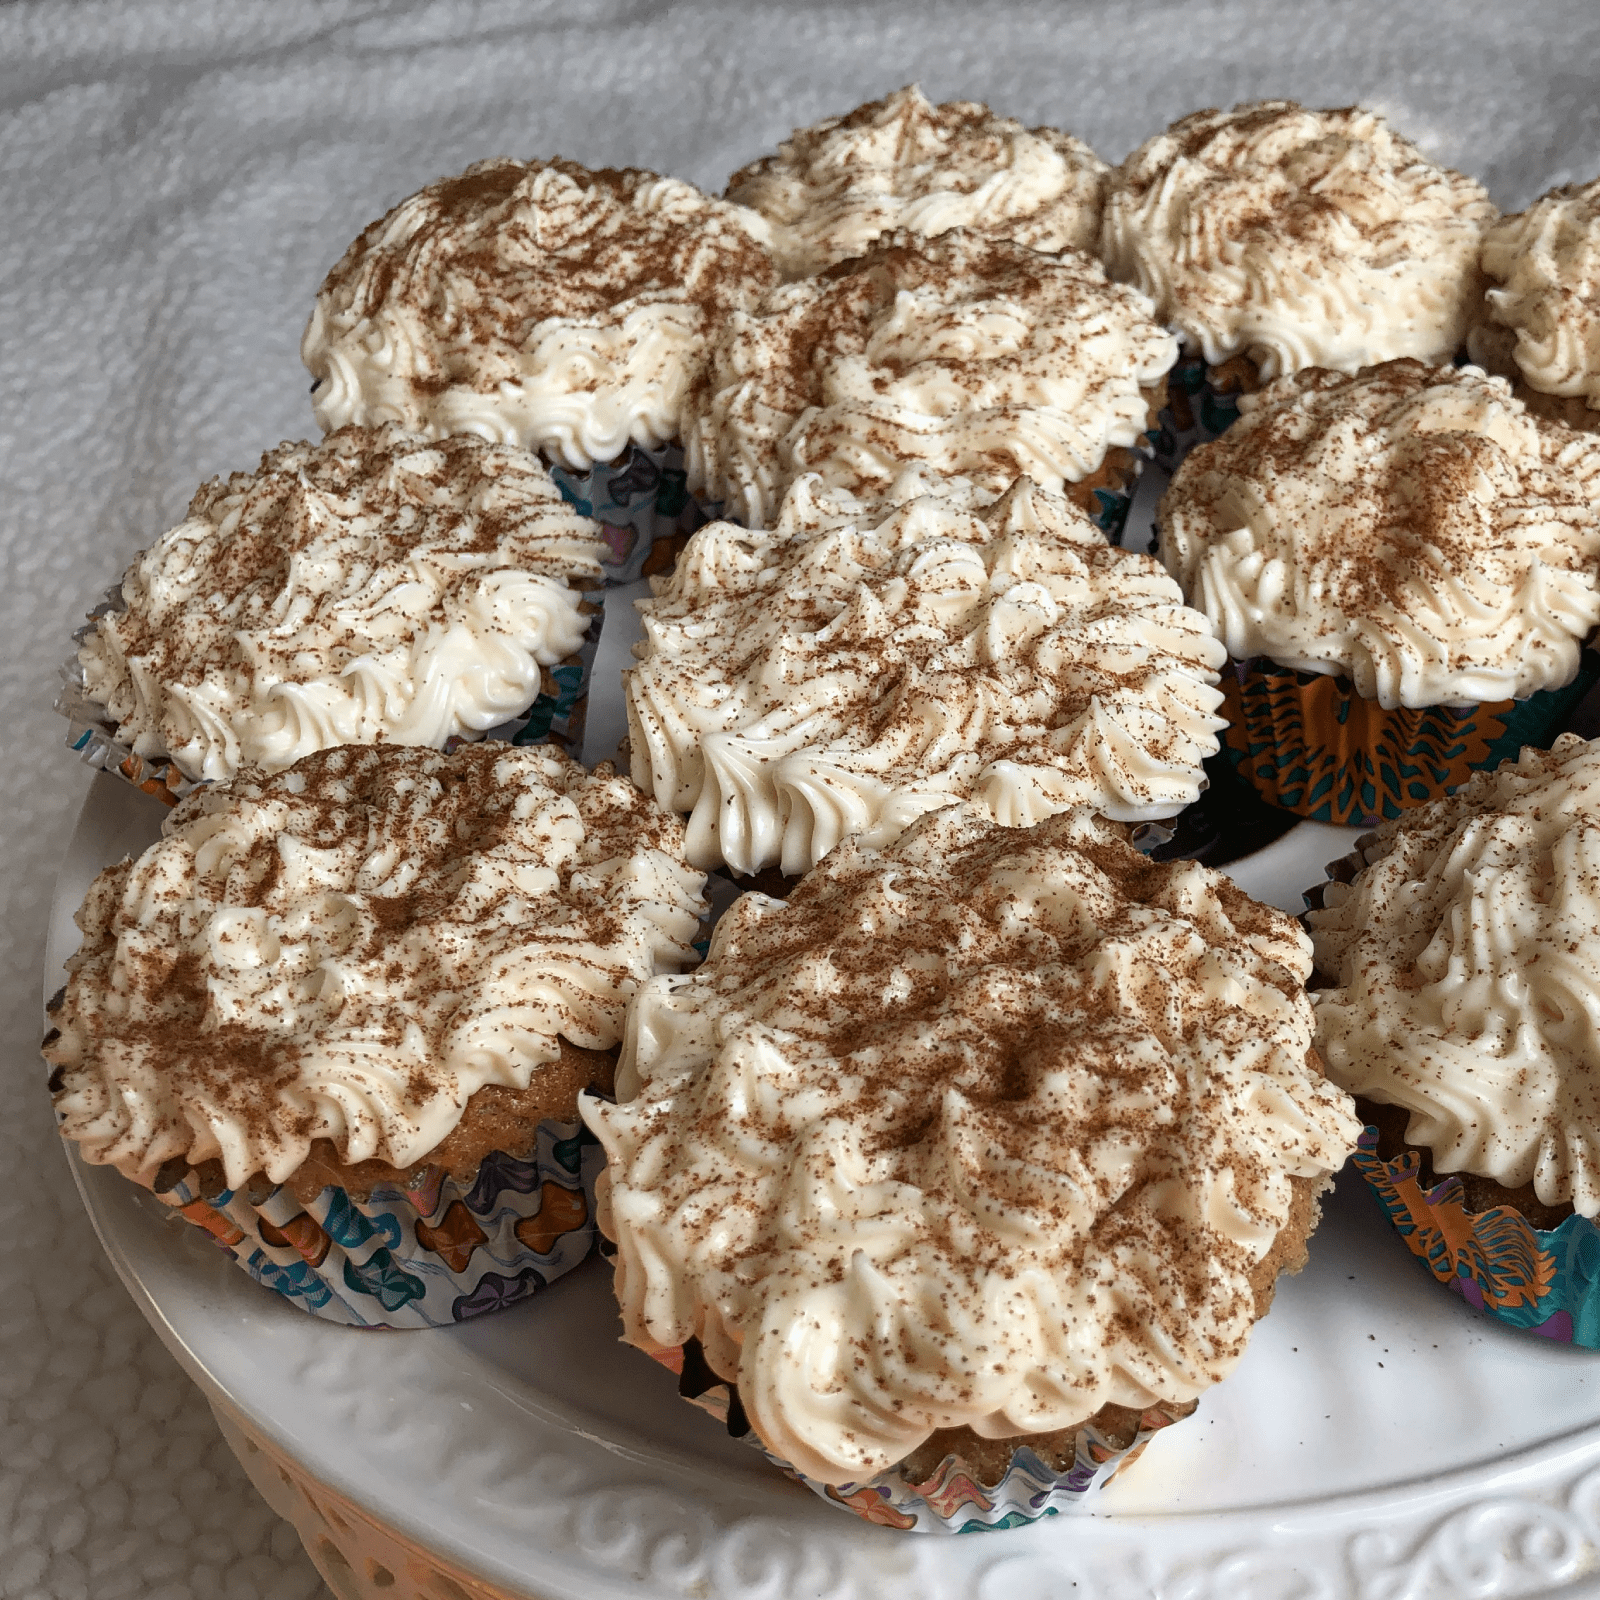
(426, 1256)
(1545, 1282)
(557, 716)
(1308, 743)
(643, 505)
(951, 1500)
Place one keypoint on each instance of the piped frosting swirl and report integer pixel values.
(840, 679)
(534, 303)
(1416, 529)
(349, 949)
(1299, 238)
(375, 587)
(1466, 963)
(978, 357)
(1545, 263)
(833, 190)
(988, 1128)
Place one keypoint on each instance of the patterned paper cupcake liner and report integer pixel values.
(1202, 404)
(556, 717)
(643, 505)
(1546, 1282)
(1308, 743)
(1107, 493)
(952, 1500)
(427, 1256)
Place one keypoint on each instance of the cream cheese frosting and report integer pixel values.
(1545, 263)
(534, 303)
(903, 162)
(798, 687)
(349, 949)
(1299, 238)
(1416, 529)
(1466, 959)
(988, 1128)
(376, 587)
(978, 357)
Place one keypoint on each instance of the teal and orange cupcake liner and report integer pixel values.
(1543, 1281)
(952, 1499)
(1308, 743)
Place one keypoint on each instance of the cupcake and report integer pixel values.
(376, 588)
(1541, 315)
(339, 1017)
(1275, 238)
(1403, 566)
(842, 676)
(1461, 993)
(902, 162)
(978, 358)
(970, 1166)
(541, 304)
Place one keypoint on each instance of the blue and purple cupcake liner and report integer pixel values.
(643, 505)
(428, 1255)
(1202, 403)
(952, 1499)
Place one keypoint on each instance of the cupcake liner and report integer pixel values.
(643, 505)
(556, 716)
(1229, 821)
(1546, 1282)
(1202, 403)
(1308, 743)
(1105, 495)
(428, 1256)
(952, 1500)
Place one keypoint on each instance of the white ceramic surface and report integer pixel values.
(1379, 1439)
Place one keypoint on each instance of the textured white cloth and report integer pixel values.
(176, 178)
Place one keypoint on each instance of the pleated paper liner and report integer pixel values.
(1202, 403)
(557, 715)
(1229, 821)
(952, 1498)
(429, 1254)
(643, 505)
(1544, 1280)
(1105, 495)
(1308, 743)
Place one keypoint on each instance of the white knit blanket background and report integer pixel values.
(176, 180)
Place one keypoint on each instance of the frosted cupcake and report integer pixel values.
(339, 1017)
(376, 588)
(965, 1170)
(1463, 984)
(857, 668)
(1541, 322)
(833, 190)
(541, 304)
(977, 358)
(1276, 238)
(1403, 566)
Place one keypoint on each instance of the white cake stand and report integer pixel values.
(1379, 1440)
